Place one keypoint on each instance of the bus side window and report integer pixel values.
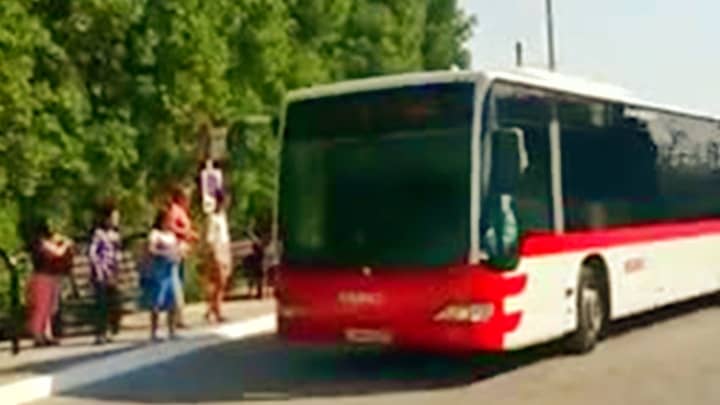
(533, 197)
(606, 163)
(596, 215)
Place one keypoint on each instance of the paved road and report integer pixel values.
(672, 357)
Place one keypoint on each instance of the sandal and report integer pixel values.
(53, 342)
(40, 343)
(156, 339)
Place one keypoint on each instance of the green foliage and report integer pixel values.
(253, 149)
(105, 97)
(446, 30)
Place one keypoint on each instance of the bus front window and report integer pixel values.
(378, 178)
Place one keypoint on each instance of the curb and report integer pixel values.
(45, 386)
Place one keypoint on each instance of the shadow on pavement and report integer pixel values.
(54, 365)
(267, 369)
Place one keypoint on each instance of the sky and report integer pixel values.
(663, 51)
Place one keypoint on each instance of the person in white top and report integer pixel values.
(161, 283)
(218, 267)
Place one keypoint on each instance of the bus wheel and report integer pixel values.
(591, 313)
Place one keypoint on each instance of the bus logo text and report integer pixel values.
(359, 298)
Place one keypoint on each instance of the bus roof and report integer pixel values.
(382, 82)
(528, 76)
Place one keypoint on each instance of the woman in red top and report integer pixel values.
(179, 216)
(179, 222)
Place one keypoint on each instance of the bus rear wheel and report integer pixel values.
(591, 313)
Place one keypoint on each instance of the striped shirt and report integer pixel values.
(104, 254)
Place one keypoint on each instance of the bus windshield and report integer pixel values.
(378, 178)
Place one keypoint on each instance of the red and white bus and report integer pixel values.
(489, 210)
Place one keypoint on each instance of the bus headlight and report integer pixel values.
(465, 313)
(292, 311)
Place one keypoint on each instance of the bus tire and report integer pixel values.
(591, 313)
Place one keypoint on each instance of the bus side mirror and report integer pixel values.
(509, 159)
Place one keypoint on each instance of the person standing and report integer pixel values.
(159, 289)
(104, 253)
(218, 259)
(253, 265)
(51, 258)
(180, 224)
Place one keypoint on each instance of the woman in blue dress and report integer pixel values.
(165, 252)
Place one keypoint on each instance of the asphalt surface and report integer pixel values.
(668, 357)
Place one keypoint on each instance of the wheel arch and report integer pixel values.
(598, 265)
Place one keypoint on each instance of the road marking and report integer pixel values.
(28, 390)
(240, 330)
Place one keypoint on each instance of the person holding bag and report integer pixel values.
(52, 258)
(165, 251)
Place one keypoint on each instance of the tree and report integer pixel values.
(446, 31)
(105, 97)
(43, 109)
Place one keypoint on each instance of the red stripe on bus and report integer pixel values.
(539, 244)
(411, 299)
(496, 287)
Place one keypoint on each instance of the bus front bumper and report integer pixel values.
(431, 336)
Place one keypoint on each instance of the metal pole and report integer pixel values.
(518, 54)
(554, 132)
(555, 136)
(550, 35)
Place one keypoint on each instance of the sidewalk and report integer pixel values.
(130, 349)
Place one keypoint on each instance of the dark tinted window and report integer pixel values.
(621, 165)
(608, 166)
(377, 113)
(379, 178)
(529, 110)
(636, 166)
(688, 179)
